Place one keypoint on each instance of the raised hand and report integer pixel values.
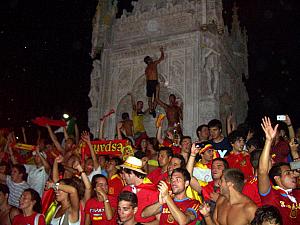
(194, 150)
(287, 120)
(163, 190)
(59, 159)
(266, 125)
(77, 166)
(85, 136)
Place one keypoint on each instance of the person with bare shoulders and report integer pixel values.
(152, 80)
(173, 112)
(127, 126)
(7, 212)
(232, 207)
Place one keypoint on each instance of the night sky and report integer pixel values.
(45, 64)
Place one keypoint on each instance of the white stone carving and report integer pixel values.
(203, 65)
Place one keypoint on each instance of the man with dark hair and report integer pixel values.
(127, 208)
(7, 212)
(211, 191)
(238, 158)
(267, 215)
(220, 143)
(202, 133)
(178, 209)
(282, 193)
(251, 186)
(232, 207)
(146, 191)
(164, 157)
(186, 144)
(152, 85)
(16, 183)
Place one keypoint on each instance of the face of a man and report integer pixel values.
(139, 105)
(287, 180)
(163, 158)
(215, 132)
(174, 164)
(111, 165)
(126, 211)
(186, 145)
(217, 169)
(172, 99)
(239, 144)
(177, 183)
(88, 166)
(224, 187)
(208, 155)
(204, 133)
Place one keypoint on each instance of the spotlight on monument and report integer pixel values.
(66, 116)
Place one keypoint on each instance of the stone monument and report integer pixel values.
(203, 65)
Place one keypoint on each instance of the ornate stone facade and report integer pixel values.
(203, 66)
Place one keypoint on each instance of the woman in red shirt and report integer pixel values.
(31, 206)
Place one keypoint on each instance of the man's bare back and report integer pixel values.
(239, 213)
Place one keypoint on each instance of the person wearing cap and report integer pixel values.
(145, 190)
(201, 169)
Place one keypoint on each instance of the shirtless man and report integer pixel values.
(173, 111)
(7, 212)
(152, 80)
(232, 207)
(127, 125)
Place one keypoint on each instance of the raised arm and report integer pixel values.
(24, 135)
(55, 172)
(191, 161)
(264, 160)
(54, 140)
(133, 103)
(101, 129)
(162, 56)
(159, 123)
(77, 135)
(43, 160)
(85, 136)
(230, 123)
(85, 180)
(289, 124)
(161, 103)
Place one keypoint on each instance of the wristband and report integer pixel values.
(107, 201)
(55, 186)
(80, 173)
(290, 125)
(193, 155)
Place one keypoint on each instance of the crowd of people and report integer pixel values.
(237, 178)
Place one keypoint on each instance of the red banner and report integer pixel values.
(109, 147)
(43, 121)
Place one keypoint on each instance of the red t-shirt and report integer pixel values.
(28, 220)
(241, 161)
(156, 175)
(115, 185)
(281, 151)
(96, 211)
(251, 190)
(184, 205)
(147, 195)
(209, 188)
(289, 211)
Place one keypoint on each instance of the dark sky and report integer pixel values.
(45, 65)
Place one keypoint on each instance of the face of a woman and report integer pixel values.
(26, 201)
(61, 195)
